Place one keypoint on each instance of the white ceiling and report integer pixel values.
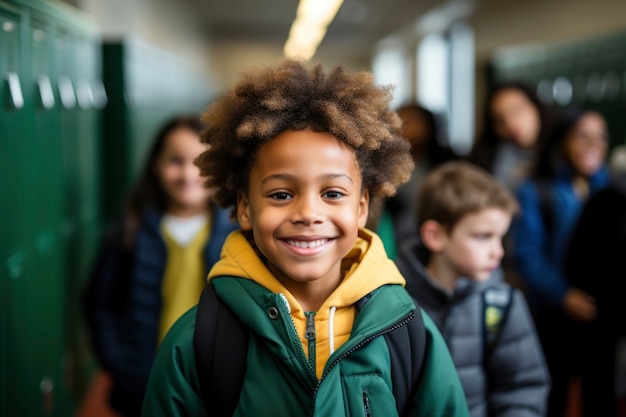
(359, 24)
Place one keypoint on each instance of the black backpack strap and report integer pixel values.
(221, 346)
(407, 347)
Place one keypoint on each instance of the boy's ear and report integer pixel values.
(243, 212)
(363, 209)
(433, 235)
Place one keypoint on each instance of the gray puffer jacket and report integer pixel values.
(509, 381)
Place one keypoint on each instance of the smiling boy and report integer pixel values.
(298, 153)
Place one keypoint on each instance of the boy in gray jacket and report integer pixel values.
(453, 269)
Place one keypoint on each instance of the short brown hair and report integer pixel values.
(458, 188)
(291, 96)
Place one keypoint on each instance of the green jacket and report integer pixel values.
(343, 370)
(281, 382)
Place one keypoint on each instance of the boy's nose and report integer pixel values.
(498, 250)
(307, 210)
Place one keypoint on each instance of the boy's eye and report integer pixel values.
(281, 195)
(333, 194)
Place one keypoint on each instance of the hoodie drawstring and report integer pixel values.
(331, 329)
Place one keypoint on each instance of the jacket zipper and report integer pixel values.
(295, 339)
(310, 335)
(366, 404)
(362, 343)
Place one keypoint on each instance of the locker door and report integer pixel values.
(12, 146)
(48, 314)
(13, 250)
(86, 147)
(87, 53)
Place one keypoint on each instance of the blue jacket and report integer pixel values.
(123, 304)
(538, 256)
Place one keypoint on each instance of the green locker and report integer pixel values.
(12, 149)
(13, 153)
(49, 142)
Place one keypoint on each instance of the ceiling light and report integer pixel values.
(309, 27)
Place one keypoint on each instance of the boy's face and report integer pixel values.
(304, 206)
(474, 247)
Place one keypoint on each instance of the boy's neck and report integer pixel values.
(439, 270)
(310, 295)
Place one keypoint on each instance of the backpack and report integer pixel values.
(496, 303)
(221, 348)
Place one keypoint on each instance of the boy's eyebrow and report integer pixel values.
(285, 176)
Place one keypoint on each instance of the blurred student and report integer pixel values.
(452, 269)
(571, 167)
(515, 124)
(329, 329)
(421, 129)
(153, 261)
(595, 264)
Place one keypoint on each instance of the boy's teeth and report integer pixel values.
(307, 244)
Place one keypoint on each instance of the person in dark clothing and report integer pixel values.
(153, 262)
(595, 264)
(452, 270)
(570, 169)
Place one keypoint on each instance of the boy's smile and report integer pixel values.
(304, 206)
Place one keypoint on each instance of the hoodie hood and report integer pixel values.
(365, 269)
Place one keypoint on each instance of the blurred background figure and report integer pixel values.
(420, 127)
(452, 268)
(151, 266)
(515, 123)
(570, 168)
(595, 264)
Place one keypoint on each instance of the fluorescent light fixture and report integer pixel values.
(309, 27)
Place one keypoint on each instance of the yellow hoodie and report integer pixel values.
(366, 268)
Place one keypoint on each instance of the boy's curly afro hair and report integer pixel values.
(290, 96)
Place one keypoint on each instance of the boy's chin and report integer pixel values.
(479, 276)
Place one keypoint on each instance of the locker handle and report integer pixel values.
(46, 387)
(15, 90)
(45, 92)
(84, 94)
(99, 95)
(66, 91)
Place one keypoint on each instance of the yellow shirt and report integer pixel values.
(184, 277)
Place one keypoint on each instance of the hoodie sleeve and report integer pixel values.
(440, 392)
(516, 369)
(173, 387)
